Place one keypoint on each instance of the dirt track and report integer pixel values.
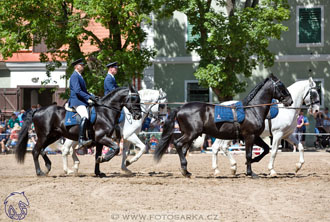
(160, 193)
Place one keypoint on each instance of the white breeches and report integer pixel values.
(82, 111)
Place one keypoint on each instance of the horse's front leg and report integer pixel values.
(249, 141)
(276, 140)
(124, 157)
(259, 142)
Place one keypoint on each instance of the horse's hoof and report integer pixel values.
(41, 174)
(273, 173)
(100, 174)
(253, 175)
(127, 172)
(68, 172)
(233, 172)
(298, 166)
(185, 173)
(127, 163)
(216, 173)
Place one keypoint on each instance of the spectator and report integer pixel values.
(299, 129)
(3, 140)
(32, 138)
(146, 124)
(326, 121)
(306, 123)
(11, 122)
(153, 142)
(207, 143)
(154, 126)
(21, 117)
(13, 138)
(3, 121)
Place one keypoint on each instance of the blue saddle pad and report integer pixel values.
(225, 114)
(273, 111)
(73, 118)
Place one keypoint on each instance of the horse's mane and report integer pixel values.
(254, 92)
(109, 95)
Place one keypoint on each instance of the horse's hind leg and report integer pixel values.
(48, 163)
(35, 153)
(75, 157)
(293, 140)
(258, 141)
(137, 142)
(182, 148)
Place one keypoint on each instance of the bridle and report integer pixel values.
(276, 87)
(312, 102)
(150, 114)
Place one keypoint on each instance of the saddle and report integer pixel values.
(229, 113)
(72, 118)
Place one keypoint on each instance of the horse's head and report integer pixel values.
(155, 102)
(280, 92)
(160, 108)
(311, 97)
(133, 103)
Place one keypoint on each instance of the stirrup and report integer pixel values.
(84, 143)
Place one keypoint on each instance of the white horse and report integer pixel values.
(130, 128)
(282, 126)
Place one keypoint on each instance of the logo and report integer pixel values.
(218, 117)
(16, 205)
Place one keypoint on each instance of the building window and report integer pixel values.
(196, 93)
(190, 36)
(310, 26)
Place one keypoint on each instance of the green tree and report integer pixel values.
(64, 25)
(233, 38)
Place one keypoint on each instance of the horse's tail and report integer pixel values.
(168, 130)
(20, 148)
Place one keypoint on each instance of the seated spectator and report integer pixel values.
(11, 122)
(13, 138)
(154, 126)
(32, 138)
(3, 140)
(153, 142)
(319, 120)
(326, 121)
(3, 121)
(20, 117)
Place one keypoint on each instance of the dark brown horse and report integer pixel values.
(195, 118)
(49, 125)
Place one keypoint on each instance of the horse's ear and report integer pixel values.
(311, 82)
(131, 88)
(272, 76)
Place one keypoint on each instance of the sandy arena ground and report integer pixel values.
(160, 193)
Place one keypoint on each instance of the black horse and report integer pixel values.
(49, 125)
(195, 118)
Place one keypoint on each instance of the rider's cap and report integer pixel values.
(113, 64)
(78, 61)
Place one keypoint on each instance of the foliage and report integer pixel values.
(233, 38)
(65, 25)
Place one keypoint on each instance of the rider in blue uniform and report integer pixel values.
(110, 83)
(79, 99)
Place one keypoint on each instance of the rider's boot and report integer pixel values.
(108, 156)
(83, 141)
